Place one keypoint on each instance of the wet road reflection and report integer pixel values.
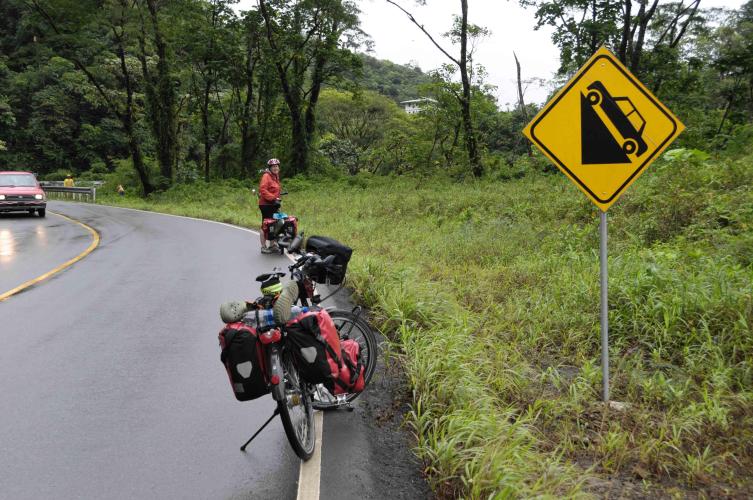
(31, 246)
(6, 244)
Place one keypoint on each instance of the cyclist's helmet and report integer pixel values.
(271, 286)
(273, 161)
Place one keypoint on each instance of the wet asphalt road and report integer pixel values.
(110, 376)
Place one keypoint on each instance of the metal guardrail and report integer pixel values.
(73, 193)
(79, 183)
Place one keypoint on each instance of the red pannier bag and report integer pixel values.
(244, 361)
(273, 227)
(351, 376)
(315, 344)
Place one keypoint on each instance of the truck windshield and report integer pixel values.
(17, 180)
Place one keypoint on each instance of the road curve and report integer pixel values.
(109, 371)
(32, 248)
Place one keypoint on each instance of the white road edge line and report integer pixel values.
(311, 471)
(309, 477)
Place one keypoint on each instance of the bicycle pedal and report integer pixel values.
(344, 403)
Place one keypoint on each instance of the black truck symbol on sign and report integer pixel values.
(623, 115)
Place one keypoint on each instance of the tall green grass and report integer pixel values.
(490, 292)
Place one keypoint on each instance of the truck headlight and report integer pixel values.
(38, 196)
(2, 196)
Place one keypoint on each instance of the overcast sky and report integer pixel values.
(397, 39)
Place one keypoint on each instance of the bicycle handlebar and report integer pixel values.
(312, 260)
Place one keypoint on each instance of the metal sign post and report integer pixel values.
(604, 307)
(602, 130)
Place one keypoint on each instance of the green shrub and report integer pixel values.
(741, 141)
(57, 175)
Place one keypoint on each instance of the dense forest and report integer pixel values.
(170, 92)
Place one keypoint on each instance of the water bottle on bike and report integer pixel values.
(264, 319)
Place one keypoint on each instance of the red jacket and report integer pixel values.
(269, 188)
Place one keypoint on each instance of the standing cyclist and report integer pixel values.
(269, 198)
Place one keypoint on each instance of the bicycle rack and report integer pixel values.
(274, 414)
(357, 313)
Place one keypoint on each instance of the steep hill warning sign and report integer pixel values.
(603, 129)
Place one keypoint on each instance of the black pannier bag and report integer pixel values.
(244, 361)
(324, 247)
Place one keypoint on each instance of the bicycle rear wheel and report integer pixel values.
(296, 411)
(356, 328)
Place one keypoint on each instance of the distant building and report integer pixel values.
(417, 105)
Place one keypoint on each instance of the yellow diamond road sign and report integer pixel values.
(603, 129)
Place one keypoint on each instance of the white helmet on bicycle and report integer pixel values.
(232, 312)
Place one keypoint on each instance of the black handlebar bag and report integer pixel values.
(324, 247)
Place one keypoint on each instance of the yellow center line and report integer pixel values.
(92, 246)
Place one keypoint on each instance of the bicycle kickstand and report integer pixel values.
(276, 412)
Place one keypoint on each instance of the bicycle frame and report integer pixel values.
(278, 362)
(271, 341)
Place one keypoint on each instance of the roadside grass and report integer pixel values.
(490, 293)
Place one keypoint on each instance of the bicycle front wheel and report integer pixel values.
(296, 411)
(349, 326)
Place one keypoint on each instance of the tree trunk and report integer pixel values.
(248, 130)
(223, 139)
(643, 20)
(292, 97)
(248, 136)
(626, 20)
(724, 116)
(317, 79)
(300, 145)
(128, 121)
(465, 101)
(594, 34)
(265, 104)
(521, 102)
(166, 143)
(205, 127)
(316, 85)
(449, 153)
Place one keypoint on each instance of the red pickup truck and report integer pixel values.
(20, 192)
